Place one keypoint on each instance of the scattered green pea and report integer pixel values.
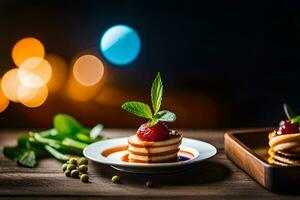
(83, 168)
(83, 161)
(64, 167)
(116, 179)
(74, 173)
(149, 184)
(84, 178)
(67, 173)
(71, 167)
(73, 161)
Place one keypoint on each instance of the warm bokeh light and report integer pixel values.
(10, 84)
(32, 97)
(35, 72)
(88, 70)
(27, 48)
(79, 92)
(4, 102)
(59, 72)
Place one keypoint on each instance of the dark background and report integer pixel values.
(224, 63)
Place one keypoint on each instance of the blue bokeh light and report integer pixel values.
(120, 45)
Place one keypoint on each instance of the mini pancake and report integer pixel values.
(286, 160)
(275, 162)
(153, 152)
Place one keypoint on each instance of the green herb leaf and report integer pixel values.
(23, 141)
(295, 119)
(51, 142)
(56, 154)
(27, 158)
(66, 124)
(156, 93)
(288, 111)
(138, 108)
(152, 122)
(96, 131)
(73, 143)
(166, 116)
(13, 152)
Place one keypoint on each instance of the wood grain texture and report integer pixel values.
(217, 178)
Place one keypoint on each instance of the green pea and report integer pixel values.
(64, 167)
(84, 178)
(83, 161)
(67, 173)
(71, 167)
(73, 161)
(116, 179)
(83, 168)
(74, 173)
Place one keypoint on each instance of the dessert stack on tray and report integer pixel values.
(285, 142)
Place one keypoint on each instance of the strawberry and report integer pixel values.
(158, 132)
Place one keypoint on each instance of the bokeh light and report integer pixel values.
(27, 48)
(14, 90)
(120, 44)
(59, 72)
(88, 70)
(10, 84)
(4, 102)
(78, 92)
(32, 97)
(35, 72)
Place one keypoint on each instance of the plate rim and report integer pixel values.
(106, 161)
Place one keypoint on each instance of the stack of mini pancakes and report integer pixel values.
(154, 152)
(284, 149)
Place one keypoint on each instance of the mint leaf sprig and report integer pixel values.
(143, 110)
(291, 115)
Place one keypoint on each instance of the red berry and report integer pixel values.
(154, 133)
(286, 127)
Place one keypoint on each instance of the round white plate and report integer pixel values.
(200, 150)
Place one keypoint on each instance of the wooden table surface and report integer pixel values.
(217, 178)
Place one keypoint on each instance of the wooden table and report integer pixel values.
(217, 178)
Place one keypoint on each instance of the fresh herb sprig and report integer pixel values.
(291, 115)
(68, 137)
(143, 110)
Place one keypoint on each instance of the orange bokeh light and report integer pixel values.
(27, 48)
(35, 72)
(10, 84)
(79, 92)
(4, 102)
(88, 70)
(14, 90)
(59, 72)
(32, 97)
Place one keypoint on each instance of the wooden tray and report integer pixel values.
(248, 149)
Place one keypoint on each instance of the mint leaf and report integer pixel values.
(152, 122)
(156, 93)
(295, 119)
(138, 108)
(13, 152)
(288, 111)
(66, 124)
(27, 158)
(165, 116)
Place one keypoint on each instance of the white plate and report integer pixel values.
(200, 150)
